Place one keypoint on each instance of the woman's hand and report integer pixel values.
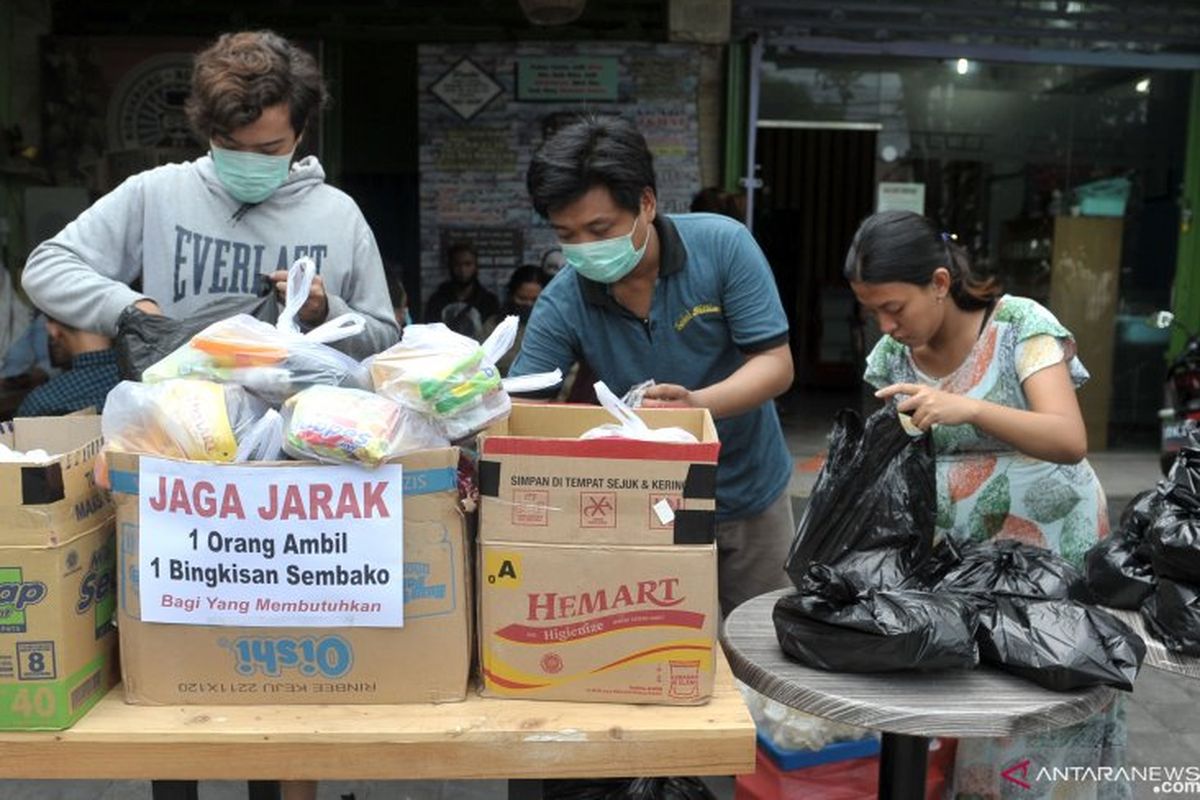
(667, 395)
(929, 406)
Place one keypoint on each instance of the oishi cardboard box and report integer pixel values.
(539, 482)
(57, 588)
(618, 624)
(426, 660)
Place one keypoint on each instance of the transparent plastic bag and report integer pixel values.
(195, 420)
(351, 426)
(630, 425)
(450, 378)
(273, 361)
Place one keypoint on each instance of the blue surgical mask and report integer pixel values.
(250, 177)
(608, 260)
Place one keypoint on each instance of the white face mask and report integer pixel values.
(608, 260)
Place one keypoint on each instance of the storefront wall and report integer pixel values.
(1028, 165)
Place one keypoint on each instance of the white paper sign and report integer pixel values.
(316, 546)
(901, 197)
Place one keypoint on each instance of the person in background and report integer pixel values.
(524, 287)
(687, 300)
(714, 200)
(90, 371)
(200, 234)
(399, 302)
(992, 379)
(552, 261)
(462, 302)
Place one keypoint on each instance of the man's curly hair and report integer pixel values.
(243, 73)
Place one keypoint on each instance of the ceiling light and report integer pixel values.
(962, 66)
(1142, 86)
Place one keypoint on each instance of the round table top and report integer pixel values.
(1157, 654)
(982, 702)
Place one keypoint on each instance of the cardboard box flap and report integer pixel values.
(554, 430)
(73, 443)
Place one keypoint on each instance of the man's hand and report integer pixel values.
(149, 306)
(668, 395)
(315, 308)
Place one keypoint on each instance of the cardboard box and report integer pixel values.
(57, 643)
(427, 660)
(618, 624)
(538, 482)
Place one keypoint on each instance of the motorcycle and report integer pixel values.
(1180, 414)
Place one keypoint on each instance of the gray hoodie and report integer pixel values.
(194, 246)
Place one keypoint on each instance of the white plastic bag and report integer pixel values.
(348, 426)
(630, 425)
(450, 378)
(273, 361)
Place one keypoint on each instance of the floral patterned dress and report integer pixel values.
(986, 490)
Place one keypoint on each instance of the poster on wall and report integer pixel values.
(465, 88)
(552, 79)
(901, 197)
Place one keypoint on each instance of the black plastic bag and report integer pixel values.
(1119, 571)
(1173, 614)
(1182, 486)
(872, 510)
(1059, 644)
(144, 339)
(1001, 567)
(835, 624)
(1174, 540)
(627, 789)
(1139, 513)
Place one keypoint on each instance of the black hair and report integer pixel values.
(460, 247)
(526, 273)
(905, 247)
(591, 151)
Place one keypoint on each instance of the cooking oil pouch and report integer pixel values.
(194, 420)
(352, 426)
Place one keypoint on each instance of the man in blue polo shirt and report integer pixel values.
(687, 300)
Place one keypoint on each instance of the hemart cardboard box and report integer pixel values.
(426, 660)
(539, 482)
(618, 624)
(57, 643)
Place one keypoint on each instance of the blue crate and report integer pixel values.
(799, 759)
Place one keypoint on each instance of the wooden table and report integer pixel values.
(478, 738)
(908, 707)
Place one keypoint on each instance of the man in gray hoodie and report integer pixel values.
(199, 234)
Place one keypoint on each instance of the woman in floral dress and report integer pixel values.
(992, 379)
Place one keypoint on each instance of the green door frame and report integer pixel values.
(1185, 297)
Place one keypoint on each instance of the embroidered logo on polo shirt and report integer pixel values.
(697, 311)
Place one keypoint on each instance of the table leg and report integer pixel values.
(524, 789)
(174, 790)
(902, 762)
(262, 790)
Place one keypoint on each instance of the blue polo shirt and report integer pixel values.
(715, 301)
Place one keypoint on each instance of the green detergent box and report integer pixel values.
(57, 576)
